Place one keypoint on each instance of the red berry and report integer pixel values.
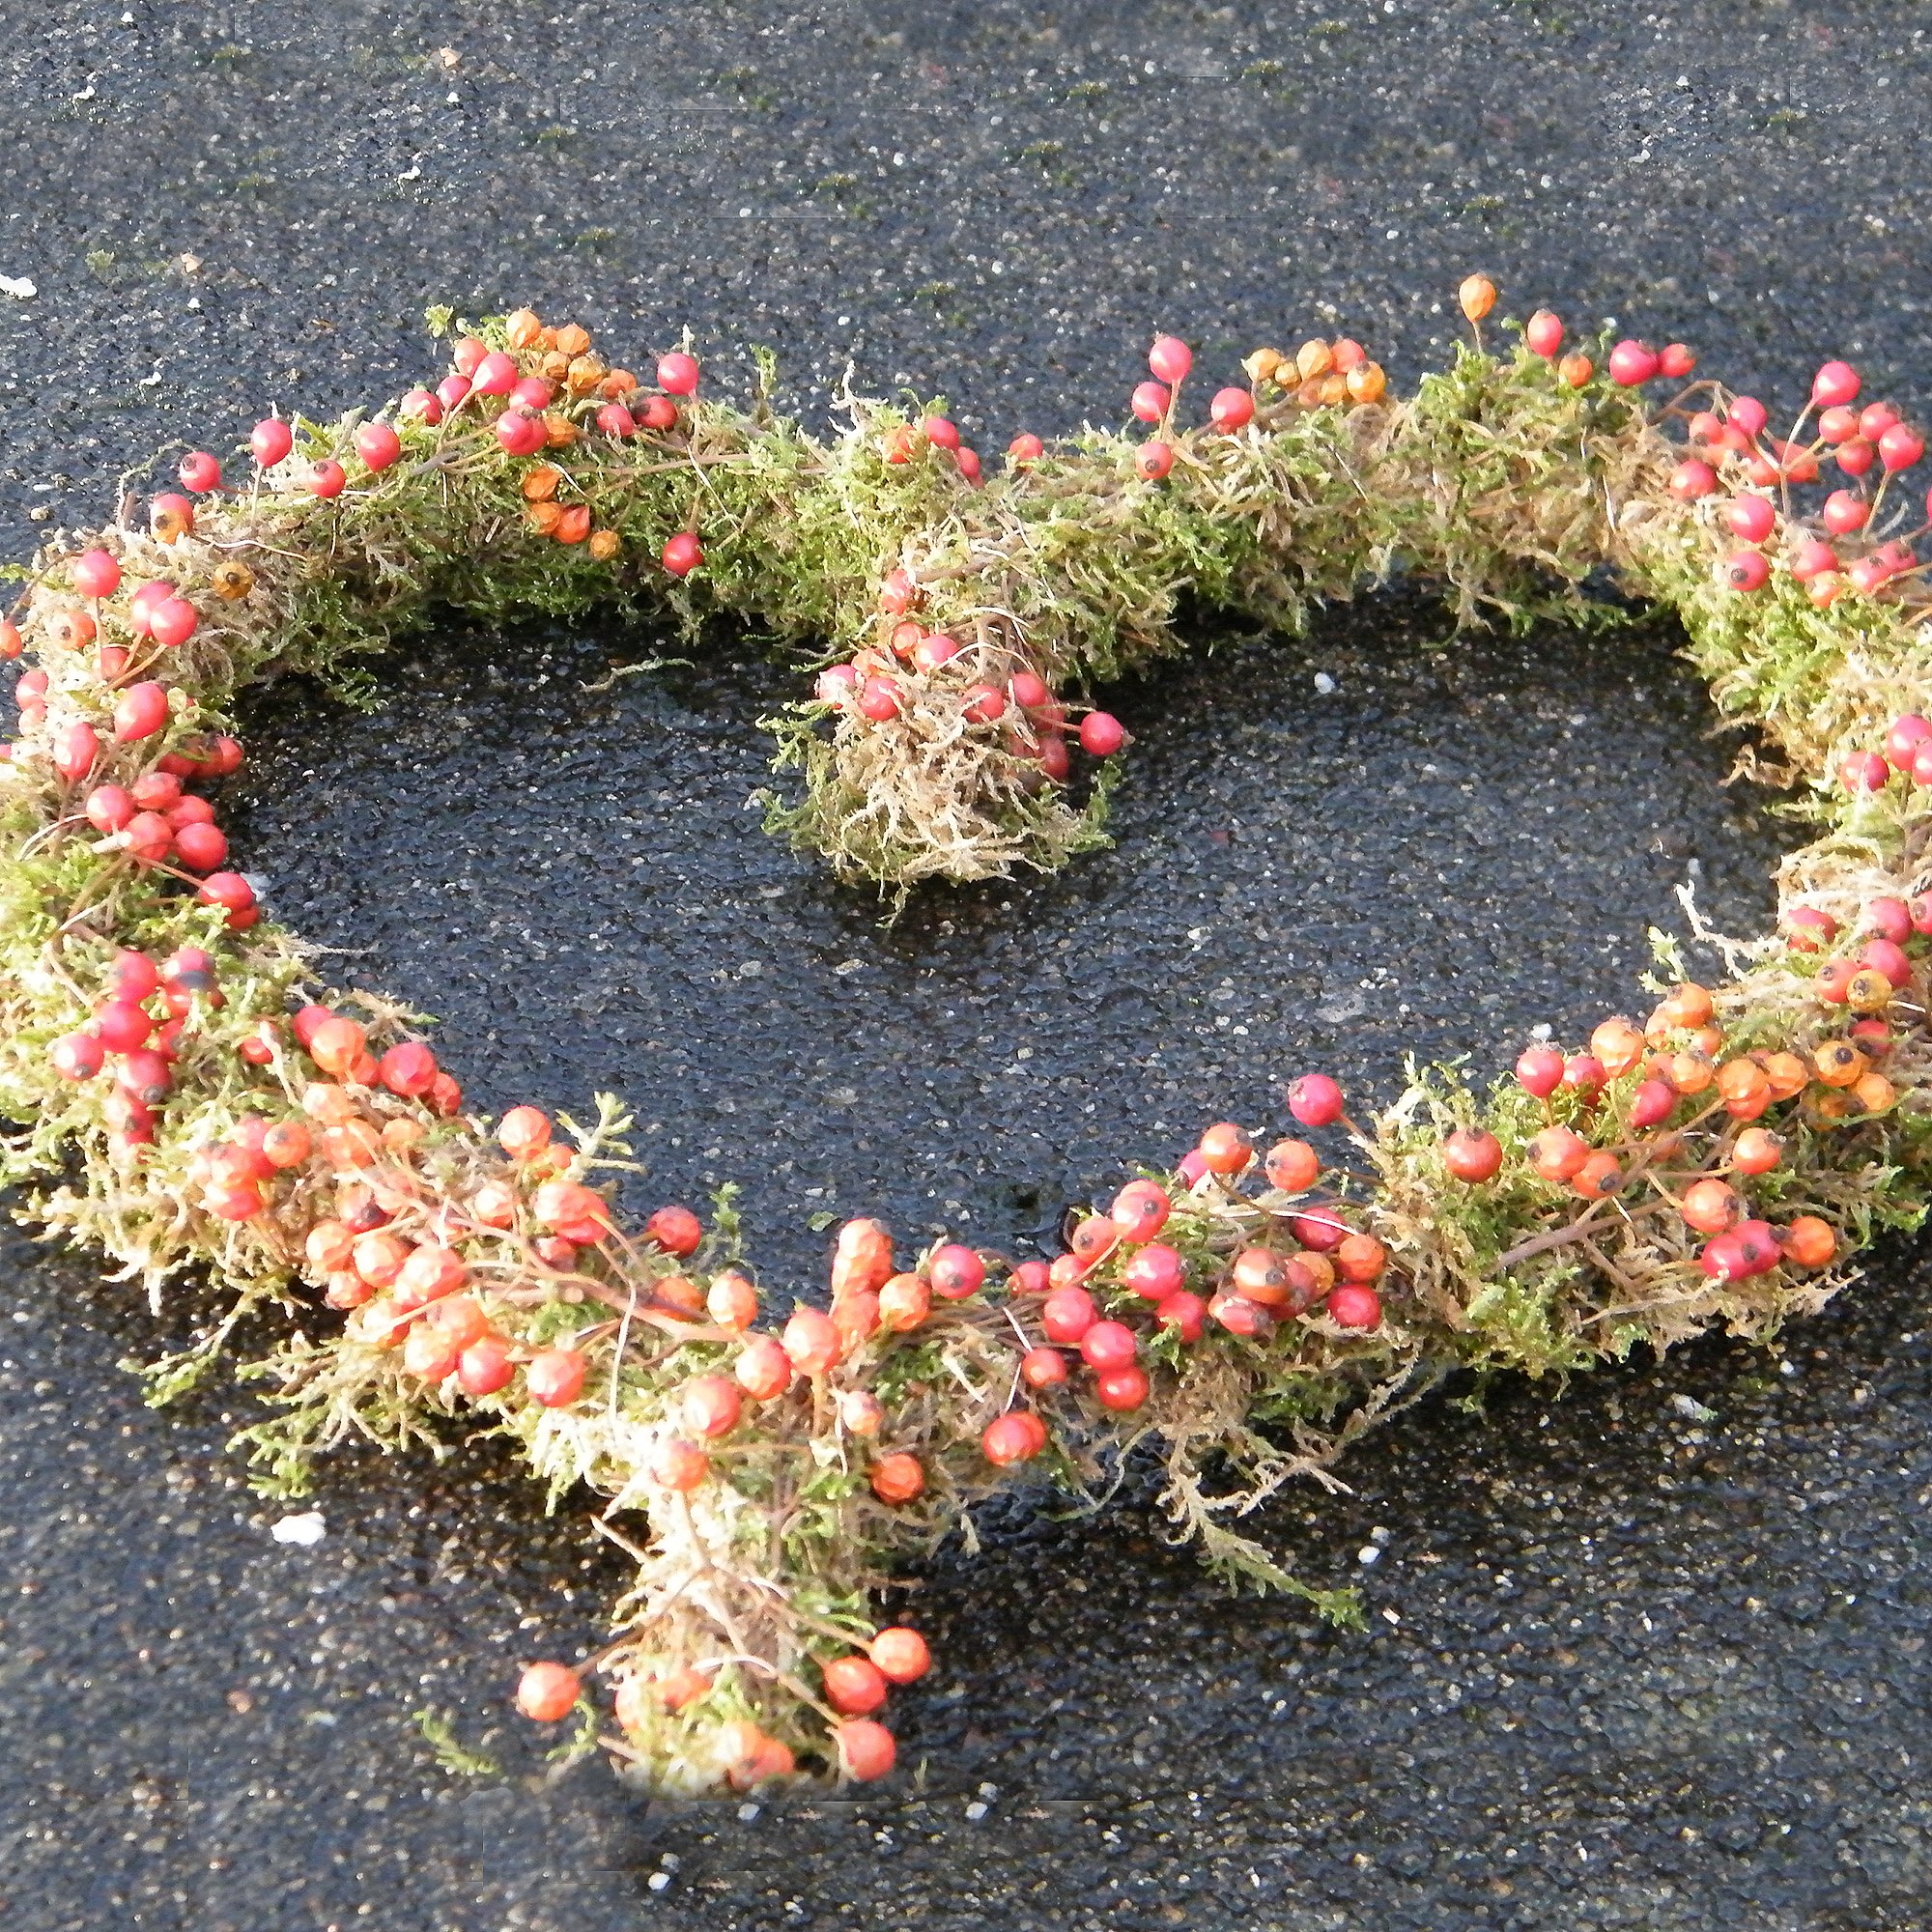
(1864, 771)
(421, 406)
(1748, 415)
(1025, 448)
(1835, 384)
(75, 749)
(1182, 1311)
(1016, 1436)
(677, 374)
(199, 471)
(1232, 410)
(866, 1749)
(854, 1686)
(77, 1056)
(1101, 735)
(327, 478)
(1154, 1274)
(123, 1025)
(555, 1377)
(955, 1271)
(1743, 570)
(1149, 401)
(1652, 1103)
(140, 711)
(200, 846)
(1067, 1312)
(95, 573)
(1140, 1211)
(1153, 461)
(378, 445)
(1691, 479)
(109, 809)
(1812, 558)
(548, 1692)
(682, 555)
(1543, 334)
(408, 1069)
(901, 1653)
(172, 620)
(1875, 419)
(1899, 447)
(677, 1230)
(615, 421)
(452, 390)
(1108, 1346)
(1043, 1367)
(1122, 1389)
(984, 705)
(519, 433)
(1889, 918)
(1845, 511)
(1353, 1306)
(466, 355)
(940, 431)
(271, 439)
(1632, 363)
(1170, 358)
(1676, 359)
(1855, 457)
(1315, 1100)
(1472, 1154)
(496, 375)
(879, 698)
(1539, 1070)
(1751, 518)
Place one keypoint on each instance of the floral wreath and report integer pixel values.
(196, 1099)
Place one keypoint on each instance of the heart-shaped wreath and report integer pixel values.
(196, 1101)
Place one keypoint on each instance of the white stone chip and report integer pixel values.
(306, 1530)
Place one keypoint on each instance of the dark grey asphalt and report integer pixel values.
(1629, 1665)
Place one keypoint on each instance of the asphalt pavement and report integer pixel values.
(1650, 1655)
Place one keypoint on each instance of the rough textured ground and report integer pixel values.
(1632, 1664)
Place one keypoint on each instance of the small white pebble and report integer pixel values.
(658, 1881)
(977, 1811)
(1323, 683)
(1367, 1553)
(746, 1813)
(18, 287)
(1392, 1616)
(307, 1530)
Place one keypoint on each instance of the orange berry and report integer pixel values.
(1598, 1179)
(1809, 1242)
(1477, 296)
(1293, 1166)
(337, 1044)
(731, 1301)
(1839, 1063)
(1757, 1151)
(547, 1692)
(898, 1478)
(1745, 1091)
(1225, 1149)
(1874, 1093)
(1787, 1074)
(861, 1256)
(904, 1302)
(1711, 1205)
(1618, 1044)
(1361, 1257)
(1366, 383)
(1556, 1154)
